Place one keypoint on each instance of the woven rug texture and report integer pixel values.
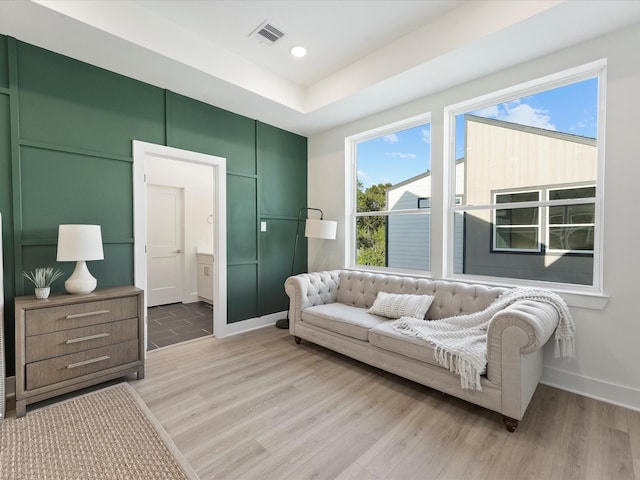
(106, 434)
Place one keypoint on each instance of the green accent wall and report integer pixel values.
(66, 131)
(282, 193)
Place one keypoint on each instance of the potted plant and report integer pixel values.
(42, 278)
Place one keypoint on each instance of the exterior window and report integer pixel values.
(567, 227)
(391, 220)
(571, 227)
(531, 208)
(424, 202)
(517, 229)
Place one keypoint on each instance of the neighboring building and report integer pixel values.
(409, 235)
(534, 165)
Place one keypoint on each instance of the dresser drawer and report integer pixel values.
(53, 319)
(41, 347)
(59, 369)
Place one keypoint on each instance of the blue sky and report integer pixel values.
(395, 158)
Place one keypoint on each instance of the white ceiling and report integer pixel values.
(364, 56)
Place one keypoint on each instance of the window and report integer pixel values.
(530, 182)
(518, 200)
(571, 227)
(567, 228)
(391, 197)
(517, 229)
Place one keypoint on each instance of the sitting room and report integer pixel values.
(378, 240)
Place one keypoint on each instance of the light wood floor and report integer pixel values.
(258, 406)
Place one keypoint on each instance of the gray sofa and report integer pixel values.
(330, 309)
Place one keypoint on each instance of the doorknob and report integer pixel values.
(178, 251)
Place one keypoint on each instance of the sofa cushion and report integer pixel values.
(359, 289)
(385, 337)
(394, 305)
(342, 319)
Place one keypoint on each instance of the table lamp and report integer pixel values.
(80, 243)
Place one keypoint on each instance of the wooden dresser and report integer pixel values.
(68, 342)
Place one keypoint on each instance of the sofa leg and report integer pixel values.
(297, 339)
(510, 423)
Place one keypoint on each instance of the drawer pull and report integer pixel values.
(87, 362)
(88, 314)
(84, 339)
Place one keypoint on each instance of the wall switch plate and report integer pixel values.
(263, 226)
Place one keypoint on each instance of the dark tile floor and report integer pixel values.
(178, 322)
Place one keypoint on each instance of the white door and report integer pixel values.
(164, 245)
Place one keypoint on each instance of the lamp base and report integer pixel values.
(80, 281)
(283, 323)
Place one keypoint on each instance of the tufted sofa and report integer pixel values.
(330, 309)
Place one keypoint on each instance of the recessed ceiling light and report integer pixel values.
(298, 51)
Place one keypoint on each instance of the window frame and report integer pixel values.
(443, 167)
(595, 69)
(351, 177)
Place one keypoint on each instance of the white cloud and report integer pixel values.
(425, 136)
(391, 138)
(362, 175)
(401, 155)
(520, 113)
(489, 112)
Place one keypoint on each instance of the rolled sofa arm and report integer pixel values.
(309, 289)
(523, 327)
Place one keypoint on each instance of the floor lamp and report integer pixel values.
(314, 228)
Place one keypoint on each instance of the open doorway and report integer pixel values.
(179, 215)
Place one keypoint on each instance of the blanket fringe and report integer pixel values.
(565, 348)
(460, 341)
(469, 375)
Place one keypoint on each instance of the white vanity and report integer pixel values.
(204, 258)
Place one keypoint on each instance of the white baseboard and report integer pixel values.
(593, 388)
(251, 324)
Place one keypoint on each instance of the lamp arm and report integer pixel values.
(295, 245)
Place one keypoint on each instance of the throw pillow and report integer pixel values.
(395, 305)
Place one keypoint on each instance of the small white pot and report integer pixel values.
(43, 292)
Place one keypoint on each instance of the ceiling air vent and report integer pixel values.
(267, 33)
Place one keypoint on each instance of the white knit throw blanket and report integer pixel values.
(461, 341)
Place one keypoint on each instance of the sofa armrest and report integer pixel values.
(523, 327)
(310, 289)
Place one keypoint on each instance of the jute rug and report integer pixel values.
(106, 434)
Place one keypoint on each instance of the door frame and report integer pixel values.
(141, 152)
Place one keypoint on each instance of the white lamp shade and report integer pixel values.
(320, 229)
(79, 242)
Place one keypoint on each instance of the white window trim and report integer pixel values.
(592, 297)
(351, 176)
(590, 70)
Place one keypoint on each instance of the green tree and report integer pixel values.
(371, 231)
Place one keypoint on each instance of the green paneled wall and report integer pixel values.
(283, 191)
(89, 190)
(242, 297)
(241, 219)
(276, 251)
(67, 102)
(279, 154)
(68, 159)
(199, 127)
(4, 69)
